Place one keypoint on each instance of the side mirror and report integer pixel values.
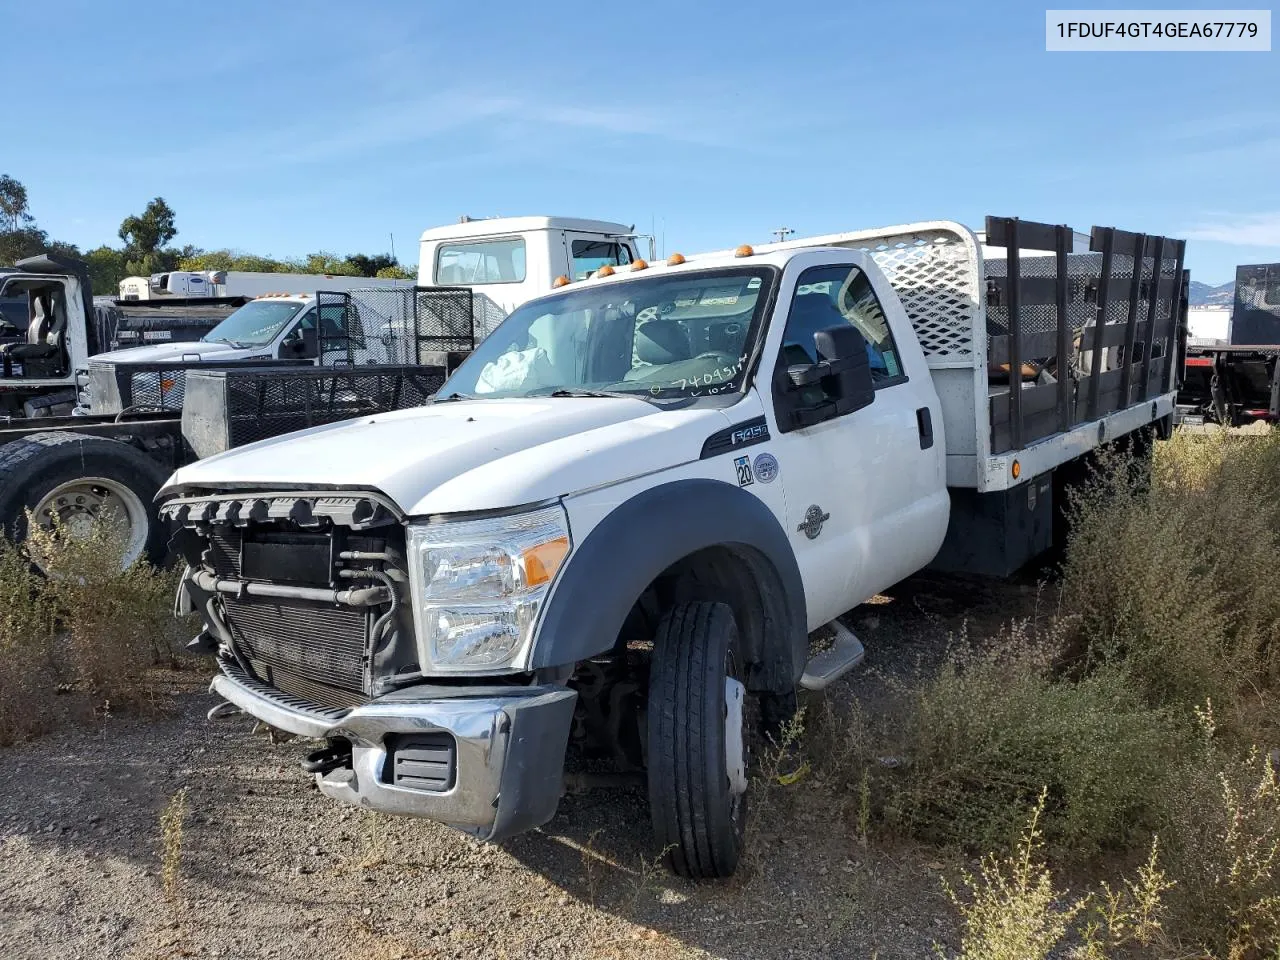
(305, 345)
(843, 371)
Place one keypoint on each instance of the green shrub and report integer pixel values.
(1172, 573)
(117, 623)
(1013, 910)
(964, 758)
(28, 677)
(1223, 827)
(83, 635)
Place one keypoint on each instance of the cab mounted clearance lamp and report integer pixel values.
(479, 585)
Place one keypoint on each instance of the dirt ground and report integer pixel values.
(269, 868)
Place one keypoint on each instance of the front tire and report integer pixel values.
(697, 752)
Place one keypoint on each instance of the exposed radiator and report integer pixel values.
(308, 649)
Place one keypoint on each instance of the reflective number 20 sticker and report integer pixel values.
(743, 465)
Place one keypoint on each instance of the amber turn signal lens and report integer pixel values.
(744, 251)
(561, 281)
(605, 271)
(542, 562)
(675, 259)
(640, 265)
(1016, 469)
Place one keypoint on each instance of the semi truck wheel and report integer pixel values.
(77, 479)
(697, 749)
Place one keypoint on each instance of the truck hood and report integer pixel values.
(161, 352)
(469, 455)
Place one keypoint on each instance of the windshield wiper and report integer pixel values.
(454, 396)
(579, 392)
(238, 344)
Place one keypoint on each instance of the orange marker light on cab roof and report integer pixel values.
(605, 271)
(675, 259)
(560, 281)
(640, 265)
(744, 251)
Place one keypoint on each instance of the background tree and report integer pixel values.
(395, 272)
(370, 266)
(326, 263)
(106, 269)
(149, 232)
(13, 203)
(145, 237)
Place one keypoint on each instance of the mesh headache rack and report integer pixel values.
(227, 408)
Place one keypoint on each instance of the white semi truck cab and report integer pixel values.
(624, 513)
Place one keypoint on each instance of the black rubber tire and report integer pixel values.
(695, 818)
(34, 465)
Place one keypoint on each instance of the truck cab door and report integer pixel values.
(864, 485)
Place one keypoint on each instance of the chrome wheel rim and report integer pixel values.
(75, 506)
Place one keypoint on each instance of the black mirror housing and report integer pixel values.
(846, 348)
(843, 370)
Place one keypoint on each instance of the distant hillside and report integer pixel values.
(1204, 295)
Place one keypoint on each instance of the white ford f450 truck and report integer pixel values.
(622, 516)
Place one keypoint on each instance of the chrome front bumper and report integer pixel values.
(509, 757)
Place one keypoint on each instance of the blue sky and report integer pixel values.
(284, 128)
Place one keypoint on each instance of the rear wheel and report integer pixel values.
(697, 747)
(75, 480)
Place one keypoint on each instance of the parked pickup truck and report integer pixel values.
(625, 512)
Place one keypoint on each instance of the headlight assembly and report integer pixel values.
(479, 585)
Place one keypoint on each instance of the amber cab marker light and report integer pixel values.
(560, 281)
(1016, 469)
(744, 251)
(675, 259)
(640, 265)
(605, 271)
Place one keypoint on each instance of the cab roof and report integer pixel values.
(493, 226)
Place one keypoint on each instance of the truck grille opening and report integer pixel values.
(311, 650)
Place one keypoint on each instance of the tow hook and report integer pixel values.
(204, 644)
(327, 759)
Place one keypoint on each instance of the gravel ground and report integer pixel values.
(270, 868)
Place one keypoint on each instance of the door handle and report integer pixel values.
(924, 423)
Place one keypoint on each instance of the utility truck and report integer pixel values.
(623, 515)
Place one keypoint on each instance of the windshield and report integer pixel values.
(255, 324)
(679, 335)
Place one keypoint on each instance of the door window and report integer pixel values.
(827, 296)
(590, 255)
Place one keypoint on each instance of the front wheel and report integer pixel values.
(697, 744)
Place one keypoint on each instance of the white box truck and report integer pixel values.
(236, 283)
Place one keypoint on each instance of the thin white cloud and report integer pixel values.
(425, 121)
(1249, 230)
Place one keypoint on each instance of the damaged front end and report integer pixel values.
(307, 607)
